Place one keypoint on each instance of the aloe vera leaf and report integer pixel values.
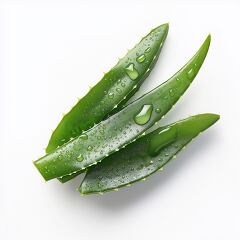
(143, 60)
(122, 128)
(116, 86)
(136, 162)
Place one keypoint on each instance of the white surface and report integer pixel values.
(51, 51)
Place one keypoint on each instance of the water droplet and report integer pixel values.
(144, 115)
(80, 158)
(158, 110)
(118, 90)
(110, 95)
(84, 137)
(131, 71)
(171, 92)
(123, 84)
(141, 58)
(148, 50)
(191, 74)
(166, 154)
(165, 97)
(89, 148)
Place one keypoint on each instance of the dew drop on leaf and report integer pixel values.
(131, 71)
(141, 58)
(191, 74)
(80, 158)
(84, 137)
(110, 95)
(89, 148)
(148, 50)
(118, 90)
(171, 92)
(144, 115)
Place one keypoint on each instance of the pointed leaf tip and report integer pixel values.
(211, 117)
(163, 27)
(207, 41)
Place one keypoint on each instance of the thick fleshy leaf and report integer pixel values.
(136, 161)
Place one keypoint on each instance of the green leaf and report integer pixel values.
(136, 162)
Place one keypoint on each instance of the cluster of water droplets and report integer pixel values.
(132, 166)
(131, 69)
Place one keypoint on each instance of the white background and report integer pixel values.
(51, 52)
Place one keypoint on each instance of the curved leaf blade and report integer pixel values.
(135, 162)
